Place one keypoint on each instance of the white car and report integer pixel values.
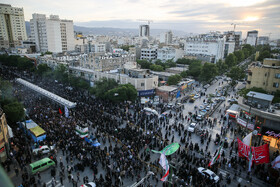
(196, 96)
(201, 107)
(43, 149)
(208, 108)
(90, 184)
(199, 117)
(191, 127)
(208, 173)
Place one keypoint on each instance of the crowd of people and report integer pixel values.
(124, 153)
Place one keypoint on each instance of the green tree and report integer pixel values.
(221, 66)
(42, 69)
(174, 79)
(239, 55)
(170, 64)
(195, 69)
(184, 74)
(155, 67)
(14, 111)
(183, 61)
(230, 60)
(125, 47)
(249, 48)
(60, 73)
(24, 63)
(236, 73)
(144, 64)
(124, 92)
(208, 72)
(103, 86)
(263, 55)
(245, 52)
(276, 98)
(6, 89)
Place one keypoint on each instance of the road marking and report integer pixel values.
(224, 173)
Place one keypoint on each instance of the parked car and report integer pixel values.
(196, 96)
(199, 117)
(222, 98)
(232, 100)
(43, 149)
(170, 105)
(209, 174)
(191, 127)
(201, 107)
(208, 108)
(192, 100)
(206, 86)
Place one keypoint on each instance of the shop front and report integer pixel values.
(271, 137)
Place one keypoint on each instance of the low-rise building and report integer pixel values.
(148, 83)
(169, 53)
(148, 54)
(264, 75)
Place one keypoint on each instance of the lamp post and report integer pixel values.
(252, 94)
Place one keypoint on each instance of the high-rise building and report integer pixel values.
(252, 37)
(234, 36)
(144, 30)
(263, 40)
(52, 34)
(207, 47)
(166, 37)
(12, 26)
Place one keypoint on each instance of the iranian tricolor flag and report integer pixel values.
(217, 156)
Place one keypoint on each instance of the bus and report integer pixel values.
(33, 130)
(40, 165)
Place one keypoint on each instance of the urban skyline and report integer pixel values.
(187, 16)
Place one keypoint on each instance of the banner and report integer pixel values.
(168, 150)
(260, 154)
(276, 163)
(164, 164)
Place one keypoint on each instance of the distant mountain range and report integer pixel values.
(110, 31)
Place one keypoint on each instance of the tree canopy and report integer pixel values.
(208, 72)
(174, 79)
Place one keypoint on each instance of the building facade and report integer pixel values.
(266, 75)
(12, 26)
(148, 83)
(234, 36)
(210, 46)
(252, 37)
(144, 30)
(166, 38)
(52, 34)
(148, 54)
(169, 53)
(263, 40)
(4, 137)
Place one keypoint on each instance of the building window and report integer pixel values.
(276, 85)
(142, 84)
(277, 75)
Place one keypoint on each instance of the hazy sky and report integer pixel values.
(197, 16)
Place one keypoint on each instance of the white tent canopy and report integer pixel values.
(151, 111)
(46, 93)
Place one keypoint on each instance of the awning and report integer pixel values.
(10, 131)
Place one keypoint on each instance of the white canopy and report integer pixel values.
(46, 93)
(151, 111)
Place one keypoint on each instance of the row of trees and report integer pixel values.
(157, 66)
(111, 90)
(13, 109)
(22, 63)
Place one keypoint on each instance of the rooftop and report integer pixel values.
(261, 96)
(167, 88)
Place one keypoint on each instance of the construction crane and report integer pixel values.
(234, 26)
(149, 21)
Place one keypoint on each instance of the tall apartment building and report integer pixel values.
(264, 75)
(234, 36)
(12, 26)
(263, 40)
(144, 30)
(4, 136)
(166, 37)
(207, 47)
(52, 34)
(252, 37)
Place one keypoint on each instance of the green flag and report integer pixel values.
(168, 150)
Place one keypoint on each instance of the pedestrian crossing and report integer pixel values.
(57, 184)
(223, 172)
